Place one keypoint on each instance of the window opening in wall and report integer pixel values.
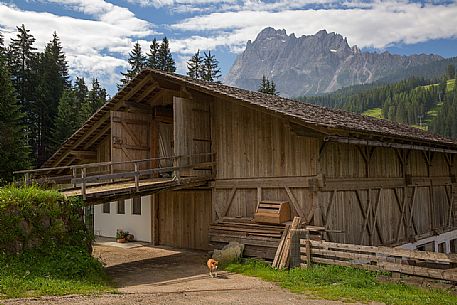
(106, 207)
(453, 244)
(121, 206)
(136, 208)
(442, 247)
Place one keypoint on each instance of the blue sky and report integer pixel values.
(98, 34)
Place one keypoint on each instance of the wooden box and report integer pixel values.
(275, 212)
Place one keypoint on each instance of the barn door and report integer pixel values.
(130, 139)
(165, 143)
(192, 133)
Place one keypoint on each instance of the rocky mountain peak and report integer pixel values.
(312, 64)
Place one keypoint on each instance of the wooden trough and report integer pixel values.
(272, 212)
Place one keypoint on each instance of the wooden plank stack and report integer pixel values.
(260, 240)
(281, 259)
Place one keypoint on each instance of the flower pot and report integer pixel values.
(121, 240)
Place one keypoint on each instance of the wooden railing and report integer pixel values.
(305, 252)
(84, 175)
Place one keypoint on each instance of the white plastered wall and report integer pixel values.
(138, 225)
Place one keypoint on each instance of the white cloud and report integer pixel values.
(193, 6)
(94, 48)
(377, 24)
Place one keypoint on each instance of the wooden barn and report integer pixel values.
(217, 156)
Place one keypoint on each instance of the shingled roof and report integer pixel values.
(308, 114)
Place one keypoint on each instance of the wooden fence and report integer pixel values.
(305, 251)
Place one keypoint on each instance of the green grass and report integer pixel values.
(374, 112)
(342, 283)
(67, 270)
(449, 86)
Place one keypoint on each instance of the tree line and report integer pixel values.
(159, 57)
(40, 107)
(409, 101)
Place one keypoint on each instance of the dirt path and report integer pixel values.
(146, 275)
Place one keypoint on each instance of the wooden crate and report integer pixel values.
(275, 212)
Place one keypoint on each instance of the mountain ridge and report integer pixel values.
(313, 64)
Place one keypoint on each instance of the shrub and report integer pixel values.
(32, 218)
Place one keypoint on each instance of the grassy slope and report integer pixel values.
(377, 112)
(374, 112)
(342, 283)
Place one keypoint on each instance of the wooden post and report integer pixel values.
(155, 219)
(27, 179)
(178, 170)
(294, 250)
(83, 185)
(308, 251)
(137, 177)
(74, 173)
(111, 171)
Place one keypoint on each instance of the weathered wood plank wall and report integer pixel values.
(184, 218)
(192, 132)
(388, 195)
(257, 154)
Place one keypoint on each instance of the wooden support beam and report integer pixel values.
(366, 226)
(342, 184)
(402, 209)
(146, 93)
(84, 154)
(375, 220)
(227, 204)
(306, 131)
(155, 219)
(267, 182)
(99, 135)
(325, 215)
(321, 149)
(411, 223)
(143, 108)
(356, 141)
(295, 203)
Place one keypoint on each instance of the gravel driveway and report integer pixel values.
(150, 275)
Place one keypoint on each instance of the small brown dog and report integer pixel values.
(212, 267)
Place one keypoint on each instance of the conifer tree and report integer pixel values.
(96, 97)
(153, 55)
(23, 64)
(269, 87)
(137, 62)
(13, 143)
(67, 118)
(80, 90)
(53, 80)
(165, 59)
(2, 47)
(195, 65)
(451, 71)
(22, 54)
(210, 70)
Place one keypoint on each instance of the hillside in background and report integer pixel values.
(314, 64)
(427, 104)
